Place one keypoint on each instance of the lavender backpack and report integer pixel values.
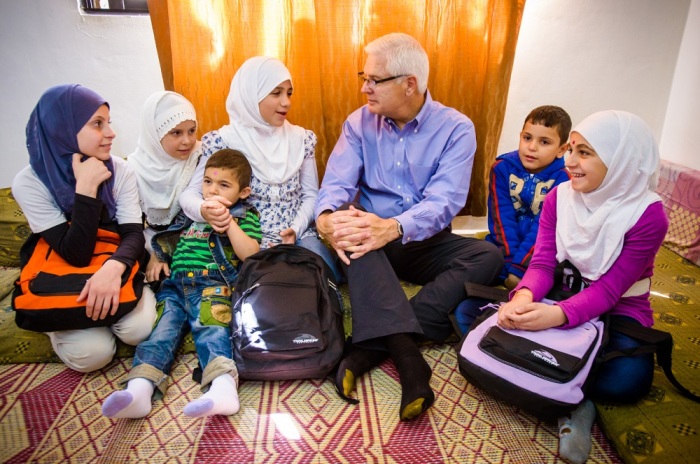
(545, 373)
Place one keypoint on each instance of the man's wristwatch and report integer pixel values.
(399, 227)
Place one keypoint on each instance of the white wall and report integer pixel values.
(593, 55)
(636, 55)
(48, 42)
(678, 142)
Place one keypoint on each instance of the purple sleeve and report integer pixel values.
(636, 261)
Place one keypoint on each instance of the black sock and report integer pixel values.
(355, 364)
(414, 374)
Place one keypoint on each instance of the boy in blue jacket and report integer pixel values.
(518, 183)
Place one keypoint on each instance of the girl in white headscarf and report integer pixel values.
(164, 161)
(285, 179)
(609, 222)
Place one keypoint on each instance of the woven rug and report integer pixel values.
(50, 414)
(664, 427)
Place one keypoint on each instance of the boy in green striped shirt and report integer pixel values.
(197, 295)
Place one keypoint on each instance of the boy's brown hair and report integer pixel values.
(551, 116)
(234, 160)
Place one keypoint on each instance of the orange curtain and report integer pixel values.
(470, 44)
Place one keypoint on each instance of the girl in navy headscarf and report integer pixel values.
(71, 186)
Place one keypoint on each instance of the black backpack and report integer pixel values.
(287, 320)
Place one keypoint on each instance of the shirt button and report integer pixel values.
(398, 163)
(401, 139)
(398, 187)
(190, 274)
(223, 268)
(212, 244)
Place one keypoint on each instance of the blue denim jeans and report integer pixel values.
(625, 379)
(466, 313)
(329, 256)
(181, 297)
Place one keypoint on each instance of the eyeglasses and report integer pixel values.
(372, 83)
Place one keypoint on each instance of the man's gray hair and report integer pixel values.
(404, 55)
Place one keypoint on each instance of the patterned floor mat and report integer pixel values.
(50, 414)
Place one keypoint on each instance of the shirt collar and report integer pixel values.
(420, 118)
(427, 108)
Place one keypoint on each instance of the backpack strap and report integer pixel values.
(654, 341)
(496, 294)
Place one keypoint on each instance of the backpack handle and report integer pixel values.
(656, 341)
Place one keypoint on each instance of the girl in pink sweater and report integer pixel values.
(609, 223)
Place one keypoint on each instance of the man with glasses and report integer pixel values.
(396, 178)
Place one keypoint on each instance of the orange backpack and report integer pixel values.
(45, 295)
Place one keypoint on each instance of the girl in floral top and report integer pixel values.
(285, 180)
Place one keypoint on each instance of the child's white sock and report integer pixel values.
(221, 399)
(575, 433)
(132, 403)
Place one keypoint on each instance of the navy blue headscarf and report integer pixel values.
(52, 138)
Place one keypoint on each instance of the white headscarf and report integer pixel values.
(274, 153)
(161, 177)
(591, 226)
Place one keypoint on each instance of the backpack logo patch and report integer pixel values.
(304, 338)
(545, 356)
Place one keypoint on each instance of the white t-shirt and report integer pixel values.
(42, 211)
